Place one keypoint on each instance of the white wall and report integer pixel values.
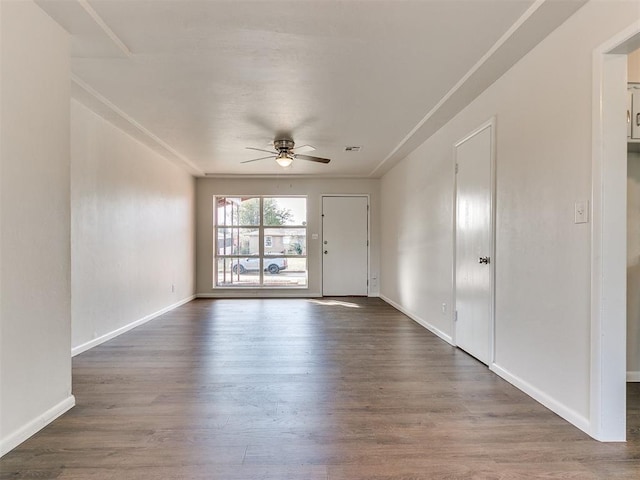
(544, 114)
(633, 66)
(132, 230)
(35, 310)
(313, 188)
(417, 236)
(633, 267)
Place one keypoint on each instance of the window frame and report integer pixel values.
(261, 227)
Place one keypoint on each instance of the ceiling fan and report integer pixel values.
(286, 152)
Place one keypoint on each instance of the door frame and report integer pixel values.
(491, 123)
(607, 416)
(322, 197)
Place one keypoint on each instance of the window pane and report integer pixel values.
(238, 241)
(285, 211)
(238, 211)
(239, 272)
(293, 274)
(242, 225)
(285, 241)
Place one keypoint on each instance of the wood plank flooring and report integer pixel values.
(324, 389)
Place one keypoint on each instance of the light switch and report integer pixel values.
(314, 236)
(581, 213)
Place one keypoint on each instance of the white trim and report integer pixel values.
(552, 404)
(633, 376)
(119, 331)
(34, 426)
(420, 321)
(491, 124)
(608, 271)
(454, 224)
(501, 41)
(252, 293)
(105, 28)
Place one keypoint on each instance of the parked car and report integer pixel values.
(272, 265)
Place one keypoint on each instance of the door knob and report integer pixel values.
(484, 260)
(325, 252)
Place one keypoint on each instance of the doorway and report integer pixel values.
(609, 252)
(474, 233)
(345, 245)
(633, 217)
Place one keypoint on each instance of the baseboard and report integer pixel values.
(552, 404)
(257, 294)
(633, 377)
(119, 331)
(35, 425)
(419, 321)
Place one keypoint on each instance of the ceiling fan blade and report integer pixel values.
(262, 150)
(256, 159)
(303, 149)
(312, 159)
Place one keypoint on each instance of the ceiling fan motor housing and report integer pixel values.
(283, 145)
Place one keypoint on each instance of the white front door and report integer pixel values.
(474, 244)
(345, 227)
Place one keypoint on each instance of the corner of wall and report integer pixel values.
(14, 439)
(419, 320)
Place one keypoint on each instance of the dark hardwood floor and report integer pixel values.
(304, 389)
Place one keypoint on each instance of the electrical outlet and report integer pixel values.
(173, 288)
(581, 211)
(444, 308)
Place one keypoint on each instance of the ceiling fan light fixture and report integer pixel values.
(285, 152)
(284, 160)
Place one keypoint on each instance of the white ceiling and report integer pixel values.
(199, 81)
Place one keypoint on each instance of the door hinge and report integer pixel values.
(367, 243)
(455, 315)
(456, 168)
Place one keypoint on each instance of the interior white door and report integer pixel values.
(474, 244)
(345, 247)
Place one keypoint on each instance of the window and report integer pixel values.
(260, 242)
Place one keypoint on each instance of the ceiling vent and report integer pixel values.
(352, 148)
